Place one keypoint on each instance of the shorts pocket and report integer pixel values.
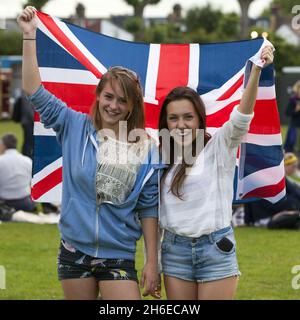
(226, 245)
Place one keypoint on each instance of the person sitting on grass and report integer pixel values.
(15, 175)
(265, 213)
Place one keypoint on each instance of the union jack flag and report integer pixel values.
(72, 60)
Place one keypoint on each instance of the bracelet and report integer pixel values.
(29, 38)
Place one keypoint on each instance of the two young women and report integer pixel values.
(104, 201)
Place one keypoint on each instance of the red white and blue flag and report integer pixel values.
(72, 60)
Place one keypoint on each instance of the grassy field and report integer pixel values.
(12, 127)
(28, 253)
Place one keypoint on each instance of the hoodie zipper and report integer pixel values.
(97, 227)
(97, 202)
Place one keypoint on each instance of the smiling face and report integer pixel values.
(112, 106)
(182, 120)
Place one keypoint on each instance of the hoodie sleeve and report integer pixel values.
(53, 112)
(147, 204)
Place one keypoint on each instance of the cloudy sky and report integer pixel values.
(104, 8)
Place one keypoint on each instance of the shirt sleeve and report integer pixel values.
(53, 112)
(235, 128)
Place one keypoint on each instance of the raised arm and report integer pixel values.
(232, 131)
(53, 112)
(249, 96)
(31, 79)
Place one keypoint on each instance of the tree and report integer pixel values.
(135, 24)
(206, 24)
(11, 42)
(244, 4)
(228, 27)
(206, 18)
(38, 4)
(164, 33)
(139, 6)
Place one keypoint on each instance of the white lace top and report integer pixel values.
(117, 166)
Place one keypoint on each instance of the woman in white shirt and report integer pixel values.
(198, 248)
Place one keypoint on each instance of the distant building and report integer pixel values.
(100, 25)
(10, 83)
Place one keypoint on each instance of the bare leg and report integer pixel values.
(218, 290)
(178, 289)
(119, 290)
(80, 289)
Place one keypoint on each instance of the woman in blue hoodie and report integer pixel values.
(108, 201)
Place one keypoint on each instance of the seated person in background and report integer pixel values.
(15, 175)
(291, 167)
(262, 211)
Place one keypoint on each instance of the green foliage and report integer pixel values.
(135, 3)
(38, 4)
(285, 54)
(200, 35)
(139, 6)
(164, 33)
(206, 18)
(134, 25)
(286, 5)
(205, 24)
(228, 27)
(11, 42)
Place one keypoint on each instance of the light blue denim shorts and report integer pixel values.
(200, 259)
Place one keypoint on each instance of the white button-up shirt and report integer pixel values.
(15, 175)
(208, 189)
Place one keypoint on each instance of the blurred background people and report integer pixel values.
(262, 212)
(293, 111)
(15, 175)
(23, 113)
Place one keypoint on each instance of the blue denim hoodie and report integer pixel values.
(106, 230)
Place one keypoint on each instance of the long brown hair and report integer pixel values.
(181, 93)
(130, 84)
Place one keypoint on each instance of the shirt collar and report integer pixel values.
(8, 151)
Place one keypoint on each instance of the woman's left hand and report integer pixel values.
(267, 55)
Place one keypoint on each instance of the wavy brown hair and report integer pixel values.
(181, 93)
(133, 94)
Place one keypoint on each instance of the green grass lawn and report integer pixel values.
(28, 253)
(12, 127)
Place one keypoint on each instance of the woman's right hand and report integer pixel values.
(27, 21)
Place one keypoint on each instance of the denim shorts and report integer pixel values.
(202, 259)
(73, 264)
